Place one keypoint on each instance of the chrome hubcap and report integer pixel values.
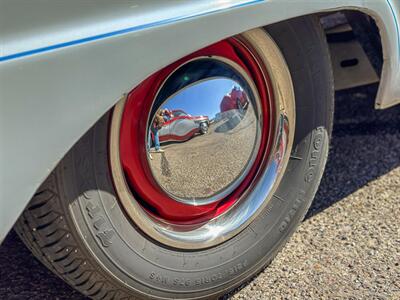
(195, 168)
(222, 120)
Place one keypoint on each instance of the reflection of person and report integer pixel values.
(167, 115)
(149, 142)
(155, 128)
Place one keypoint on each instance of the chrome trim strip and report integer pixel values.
(396, 22)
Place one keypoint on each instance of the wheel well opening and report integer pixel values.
(355, 46)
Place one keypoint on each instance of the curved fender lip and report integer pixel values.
(49, 99)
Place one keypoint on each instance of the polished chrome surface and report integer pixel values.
(209, 136)
(257, 196)
(232, 222)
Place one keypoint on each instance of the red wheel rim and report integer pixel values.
(133, 132)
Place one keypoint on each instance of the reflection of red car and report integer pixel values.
(182, 127)
(236, 99)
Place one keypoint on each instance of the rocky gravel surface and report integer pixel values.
(348, 246)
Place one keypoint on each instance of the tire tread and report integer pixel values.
(44, 230)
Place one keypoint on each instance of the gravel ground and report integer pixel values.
(348, 247)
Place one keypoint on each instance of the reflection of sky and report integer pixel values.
(203, 98)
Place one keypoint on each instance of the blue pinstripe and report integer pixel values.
(116, 33)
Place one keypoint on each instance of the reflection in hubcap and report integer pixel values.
(208, 130)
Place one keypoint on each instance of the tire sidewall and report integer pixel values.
(142, 265)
